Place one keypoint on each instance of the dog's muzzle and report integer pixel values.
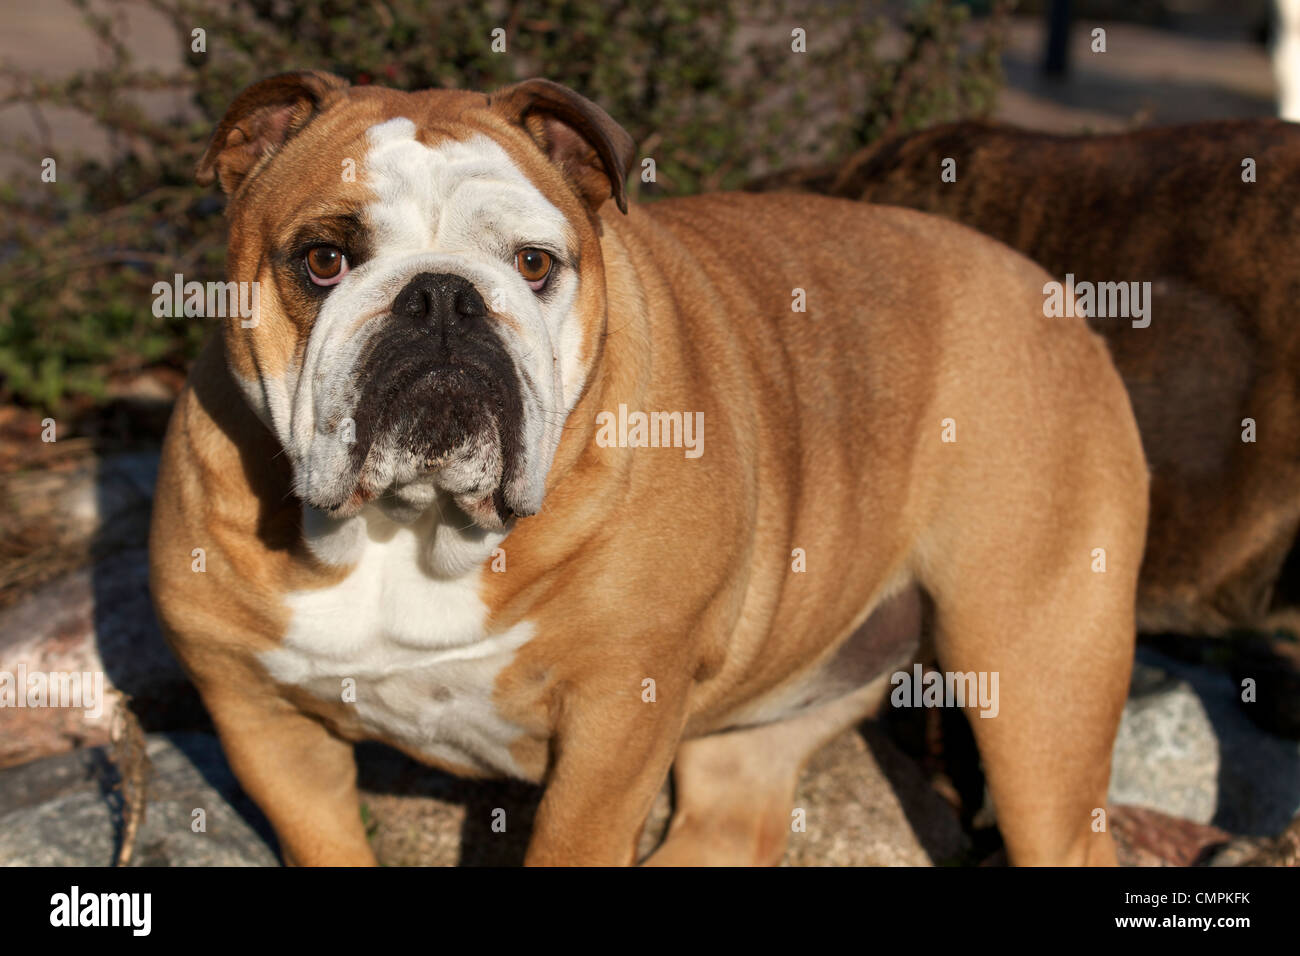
(438, 404)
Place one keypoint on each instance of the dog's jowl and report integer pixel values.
(419, 527)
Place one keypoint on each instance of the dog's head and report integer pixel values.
(430, 285)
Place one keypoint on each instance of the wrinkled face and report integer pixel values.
(430, 292)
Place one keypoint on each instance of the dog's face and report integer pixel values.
(430, 284)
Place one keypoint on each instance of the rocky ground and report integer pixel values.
(1197, 780)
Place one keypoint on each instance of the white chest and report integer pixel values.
(407, 649)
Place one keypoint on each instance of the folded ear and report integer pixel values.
(592, 150)
(262, 119)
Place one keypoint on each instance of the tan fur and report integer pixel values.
(1168, 205)
(822, 432)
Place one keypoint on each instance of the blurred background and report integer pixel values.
(122, 97)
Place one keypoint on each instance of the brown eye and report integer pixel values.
(326, 265)
(534, 265)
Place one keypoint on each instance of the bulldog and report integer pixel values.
(393, 506)
(1201, 216)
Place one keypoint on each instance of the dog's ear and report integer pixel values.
(261, 120)
(592, 150)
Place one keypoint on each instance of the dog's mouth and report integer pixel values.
(491, 511)
(435, 483)
(425, 436)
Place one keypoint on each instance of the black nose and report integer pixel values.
(447, 303)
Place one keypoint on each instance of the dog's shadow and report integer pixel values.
(1258, 779)
(497, 815)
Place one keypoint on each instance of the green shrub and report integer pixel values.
(711, 90)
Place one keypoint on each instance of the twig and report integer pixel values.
(135, 768)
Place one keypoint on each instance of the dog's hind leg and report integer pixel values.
(1046, 745)
(1054, 627)
(734, 791)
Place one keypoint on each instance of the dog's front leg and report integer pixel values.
(301, 775)
(613, 752)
